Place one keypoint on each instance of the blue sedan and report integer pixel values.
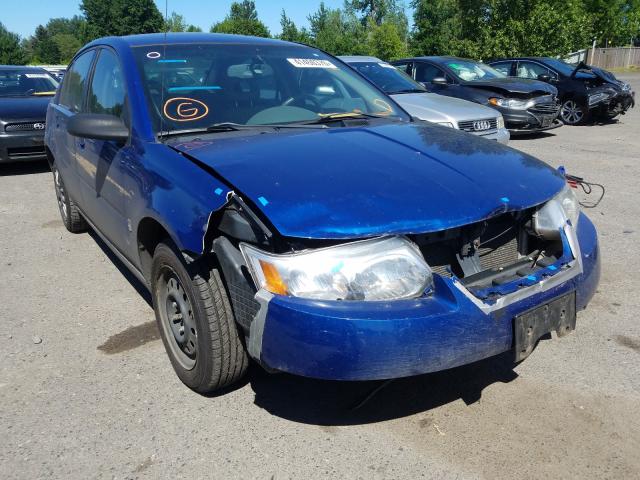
(281, 207)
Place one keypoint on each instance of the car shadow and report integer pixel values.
(333, 403)
(139, 287)
(24, 168)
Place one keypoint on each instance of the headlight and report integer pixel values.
(445, 124)
(514, 103)
(597, 98)
(548, 221)
(500, 121)
(380, 269)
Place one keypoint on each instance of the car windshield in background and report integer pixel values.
(25, 83)
(473, 71)
(195, 86)
(388, 78)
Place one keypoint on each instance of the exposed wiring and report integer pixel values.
(587, 188)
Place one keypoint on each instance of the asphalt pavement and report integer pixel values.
(87, 391)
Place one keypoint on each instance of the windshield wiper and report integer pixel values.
(234, 127)
(336, 117)
(408, 90)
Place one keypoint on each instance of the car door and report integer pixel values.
(100, 161)
(69, 102)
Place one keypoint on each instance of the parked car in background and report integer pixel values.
(419, 102)
(584, 91)
(527, 106)
(25, 93)
(283, 208)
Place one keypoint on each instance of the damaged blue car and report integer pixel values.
(280, 207)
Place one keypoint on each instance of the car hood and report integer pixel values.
(23, 108)
(515, 85)
(341, 183)
(439, 108)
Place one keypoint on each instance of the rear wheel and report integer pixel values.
(71, 216)
(573, 113)
(196, 323)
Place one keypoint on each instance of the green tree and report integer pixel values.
(193, 28)
(337, 31)
(242, 20)
(384, 41)
(290, 32)
(44, 49)
(11, 52)
(175, 23)
(121, 17)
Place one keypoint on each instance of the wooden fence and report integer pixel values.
(620, 57)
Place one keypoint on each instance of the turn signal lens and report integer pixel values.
(273, 280)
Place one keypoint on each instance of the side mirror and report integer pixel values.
(440, 81)
(98, 127)
(543, 77)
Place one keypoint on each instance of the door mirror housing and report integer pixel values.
(98, 126)
(440, 81)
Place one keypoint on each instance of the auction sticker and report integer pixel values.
(310, 63)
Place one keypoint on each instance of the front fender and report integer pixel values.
(175, 192)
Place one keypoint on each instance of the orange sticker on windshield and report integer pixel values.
(184, 109)
(384, 105)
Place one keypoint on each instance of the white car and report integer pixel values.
(417, 101)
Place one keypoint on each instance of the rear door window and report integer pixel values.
(75, 81)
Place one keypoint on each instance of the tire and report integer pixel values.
(196, 323)
(573, 112)
(71, 216)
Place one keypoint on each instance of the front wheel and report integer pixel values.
(196, 323)
(573, 113)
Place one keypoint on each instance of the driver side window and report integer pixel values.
(425, 72)
(532, 70)
(107, 94)
(74, 82)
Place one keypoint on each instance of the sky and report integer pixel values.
(202, 13)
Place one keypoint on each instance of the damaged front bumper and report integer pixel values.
(352, 340)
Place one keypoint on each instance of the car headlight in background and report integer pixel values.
(514, 103)
(445, 124)
(500, 122)
(389, 268)
(548, 221)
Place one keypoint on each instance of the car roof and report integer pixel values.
(359, 59)
(184, 37)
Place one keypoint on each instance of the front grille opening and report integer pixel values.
(482, 249)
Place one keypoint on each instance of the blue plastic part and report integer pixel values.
(364, 341)
(263, 201)
(172, 61)
(218, 191)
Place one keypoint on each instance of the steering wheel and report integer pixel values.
(301, 100)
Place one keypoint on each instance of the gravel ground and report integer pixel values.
(86, 390)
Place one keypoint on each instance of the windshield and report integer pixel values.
(469, 71)
(24, 83)
(195, 86)
(388, 78)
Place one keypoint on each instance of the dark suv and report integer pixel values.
(527, 106)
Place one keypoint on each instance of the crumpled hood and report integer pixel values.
(23, 108)
(341, 183)
(515, 85)
(440, 108)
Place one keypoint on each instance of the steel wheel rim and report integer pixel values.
(177, 319)
(571, 112)
(61, 195)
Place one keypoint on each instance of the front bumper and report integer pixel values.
(381, 340)
(22, 146)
